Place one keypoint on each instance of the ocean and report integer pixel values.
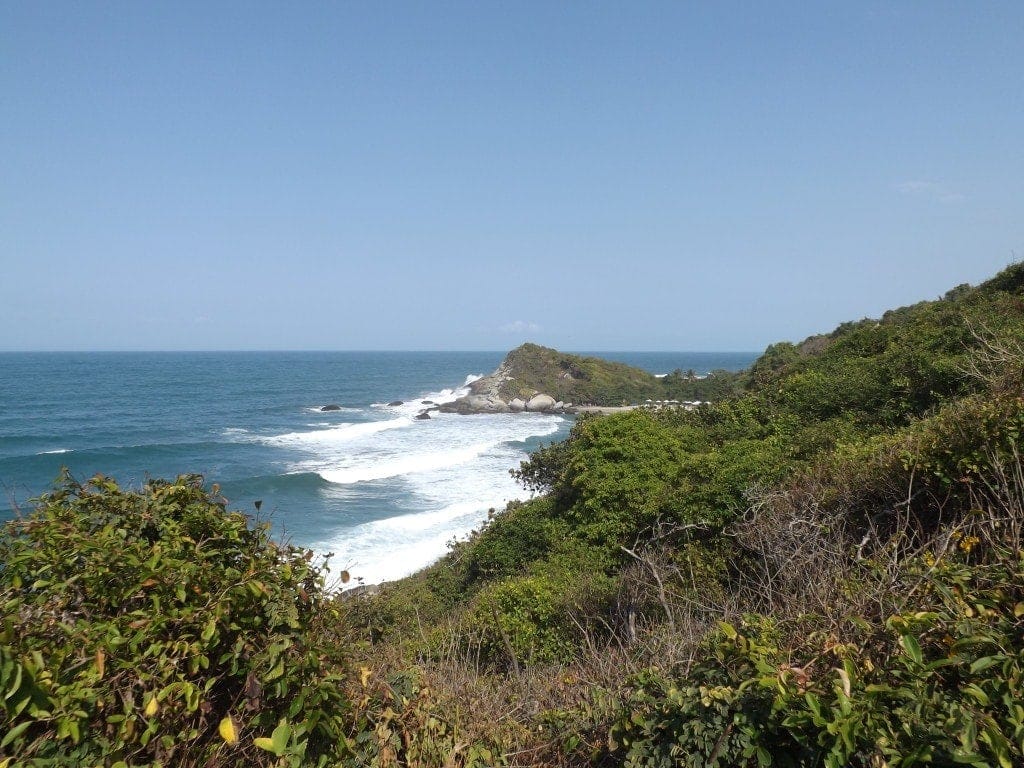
(381, 490)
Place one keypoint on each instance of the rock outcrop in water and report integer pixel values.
(539, 379)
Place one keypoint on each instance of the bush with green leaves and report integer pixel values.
(536, 618)
(157, 628)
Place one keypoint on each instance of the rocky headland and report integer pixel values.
(536, 379)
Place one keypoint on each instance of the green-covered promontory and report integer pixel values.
(532, 377)
(531, 368)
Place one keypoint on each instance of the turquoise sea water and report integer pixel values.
(381, 490)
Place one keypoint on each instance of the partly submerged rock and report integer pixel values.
(395, 402)
(331, 407)
(422, 415)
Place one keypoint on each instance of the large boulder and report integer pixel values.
(487, 404)
(517, 405)
(540, 402)
(475, 404)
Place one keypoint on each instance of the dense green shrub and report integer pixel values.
(155, 627)
(524, 533)
(540, 617)
(620, 476)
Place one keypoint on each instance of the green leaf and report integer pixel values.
(276, 672)
(14, 733)
(208, 630)
(280, 737)
(984, 663)
(16, 684)
(977, 694)
(999, 745)
(912, 647)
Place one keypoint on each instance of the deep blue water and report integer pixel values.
(382, 490)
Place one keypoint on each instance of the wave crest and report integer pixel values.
(404, 465)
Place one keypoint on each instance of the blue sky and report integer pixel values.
(676, 176)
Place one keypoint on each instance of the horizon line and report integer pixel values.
(346, 351)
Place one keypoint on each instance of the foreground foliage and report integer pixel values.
(155, 627)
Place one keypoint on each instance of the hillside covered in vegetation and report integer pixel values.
(823, 567)
(532, 377)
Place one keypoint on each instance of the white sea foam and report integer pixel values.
(370, 468)
(388, 549)
(341, 433)
(458, 470)
(448, 470)
(55, 450)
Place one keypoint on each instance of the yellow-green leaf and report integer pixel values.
(228, 730)
(280, 737)
(208, 630)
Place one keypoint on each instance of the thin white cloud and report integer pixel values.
(938, 191)
(519, 326)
